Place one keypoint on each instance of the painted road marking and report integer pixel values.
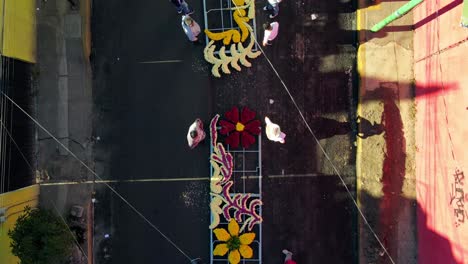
(161, 61)
(295, 175)
(309, 175)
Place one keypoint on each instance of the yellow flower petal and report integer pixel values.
(247, 238)
(220, 250)
(233, 227)
(234, 257)
(221, 234)
(246, 251)
(240, 127)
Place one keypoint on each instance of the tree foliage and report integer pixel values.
(40, 237)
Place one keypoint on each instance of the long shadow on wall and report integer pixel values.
(391, 208)
(393, 168)
(326, 127)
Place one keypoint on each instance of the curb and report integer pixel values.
(359, 66)
(90, 228)
(85, 12)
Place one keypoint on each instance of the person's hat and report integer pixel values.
(272, 130)
(188, 20)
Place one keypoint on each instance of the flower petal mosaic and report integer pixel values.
(242, 12)
(239, 210)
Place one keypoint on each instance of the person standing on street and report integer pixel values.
(271, 31)
(273, 132)
(182, 7)
(288, 257)
(195, 133)
(272, 7)
(191, 28)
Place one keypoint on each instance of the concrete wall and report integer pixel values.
(441, 77)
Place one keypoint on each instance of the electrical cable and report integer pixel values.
(157, 229)
(97, 176)
(2, 136)
(68, 228)
(11, 128)
(16, 145)
(2, 199)
(52, 202)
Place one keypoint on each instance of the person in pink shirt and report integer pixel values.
(195, 133)
(271, 31)
(288, 257)
(191, 28)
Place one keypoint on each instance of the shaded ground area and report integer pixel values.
(17, 131)
(144, 109)
(313, 216)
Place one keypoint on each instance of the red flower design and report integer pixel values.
(240, 130)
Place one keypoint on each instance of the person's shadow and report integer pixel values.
(326, 127)
(367, 129)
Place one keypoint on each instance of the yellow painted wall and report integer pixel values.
(18, 26)
(2, 20)
(14, 202)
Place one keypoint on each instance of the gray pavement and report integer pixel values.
(64, 98)
(143, 111)
(64, 106)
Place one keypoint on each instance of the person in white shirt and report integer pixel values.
(191, 28)
(271, 31)
(273, 7)
(273, 132)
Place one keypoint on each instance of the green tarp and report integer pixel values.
(464, 21)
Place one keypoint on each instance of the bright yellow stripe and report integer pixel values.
(19, 30)
(2, 23)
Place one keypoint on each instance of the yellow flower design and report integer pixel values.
(233, 34)
(237, 245)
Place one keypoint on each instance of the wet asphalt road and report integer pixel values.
(142, 111)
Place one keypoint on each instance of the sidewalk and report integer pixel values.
(385, 162)
(64, 102)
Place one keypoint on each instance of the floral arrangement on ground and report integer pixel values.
(236, 209)
(243, 11)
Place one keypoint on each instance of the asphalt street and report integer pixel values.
(146, 109)
(150, 83)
